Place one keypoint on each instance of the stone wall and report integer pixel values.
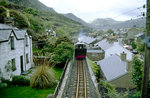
(95, 56)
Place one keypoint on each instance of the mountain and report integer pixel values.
(36, 4)
(109, 23)
(45, 18)
(75, 18)
(104, 22)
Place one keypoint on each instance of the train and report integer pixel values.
(80, 51)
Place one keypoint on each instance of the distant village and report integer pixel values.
(113, 53)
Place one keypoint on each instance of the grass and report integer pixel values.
(94, 67)
(58, 72)
(27, 91)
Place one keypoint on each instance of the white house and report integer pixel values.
(15, 52)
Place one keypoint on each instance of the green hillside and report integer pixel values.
(42, 17)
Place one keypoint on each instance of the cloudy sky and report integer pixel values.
(89, 10)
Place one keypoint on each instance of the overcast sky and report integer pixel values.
(89, 10)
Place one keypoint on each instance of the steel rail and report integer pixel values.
(80, 64)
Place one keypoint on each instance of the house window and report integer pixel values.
(12, 44)
(27, 58)
(26, 40)
(13, 64)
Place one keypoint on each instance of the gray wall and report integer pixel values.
(6, 54)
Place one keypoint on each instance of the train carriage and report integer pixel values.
(80, 51)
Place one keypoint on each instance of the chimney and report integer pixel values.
(7, 14)
(123, 56)
(129, 66)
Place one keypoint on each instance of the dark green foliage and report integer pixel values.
(31, 11)
(140, 45)
(137, 72)
(3, 85)
(134, 45)
(110, 31)
(2, 14)
(21, 20)
(95, 69)
(108, 89)
(3, 3)
(21, 81)
(63, 39)
(47, 49)
(62, 52)
(42, 78)
(8, 82)
(36, 23)
(136, 94)
(42, 41)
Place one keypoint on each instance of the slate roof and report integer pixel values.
(4, 35)
(104, 44)
(86, 39)
(118, 49)
(113, 67)
(20, 33)
(4, 26)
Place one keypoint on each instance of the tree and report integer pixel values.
(61, 53)
(63, 39)
(134, 45)
(21, 20)
(140, 45)
(3, 3)
(137, 71)
(110, 31)
(2, 14)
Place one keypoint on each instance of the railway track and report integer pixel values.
(81, 82)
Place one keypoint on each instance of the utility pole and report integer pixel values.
(147, 55)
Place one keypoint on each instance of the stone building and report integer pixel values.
(115, 70)
(15, 51)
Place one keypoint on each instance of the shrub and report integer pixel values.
(61, 53)
(3, 85)
(21, 81)
(2, 14)
(8, 82)
(109, 89)
(3, 3)
(21, 20)
(42, 78)
(95, 69)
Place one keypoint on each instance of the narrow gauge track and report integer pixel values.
(81, 90)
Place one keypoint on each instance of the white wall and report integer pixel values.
(7, 54)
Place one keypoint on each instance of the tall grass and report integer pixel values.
(43, 78)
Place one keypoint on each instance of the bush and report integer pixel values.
(21, 20)
(3, 85)
(8, 82)
(109, 89)
(42, 78)
(2, 14)
(61, 53)
(3, 3)
(21, 81)
(95, 69)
